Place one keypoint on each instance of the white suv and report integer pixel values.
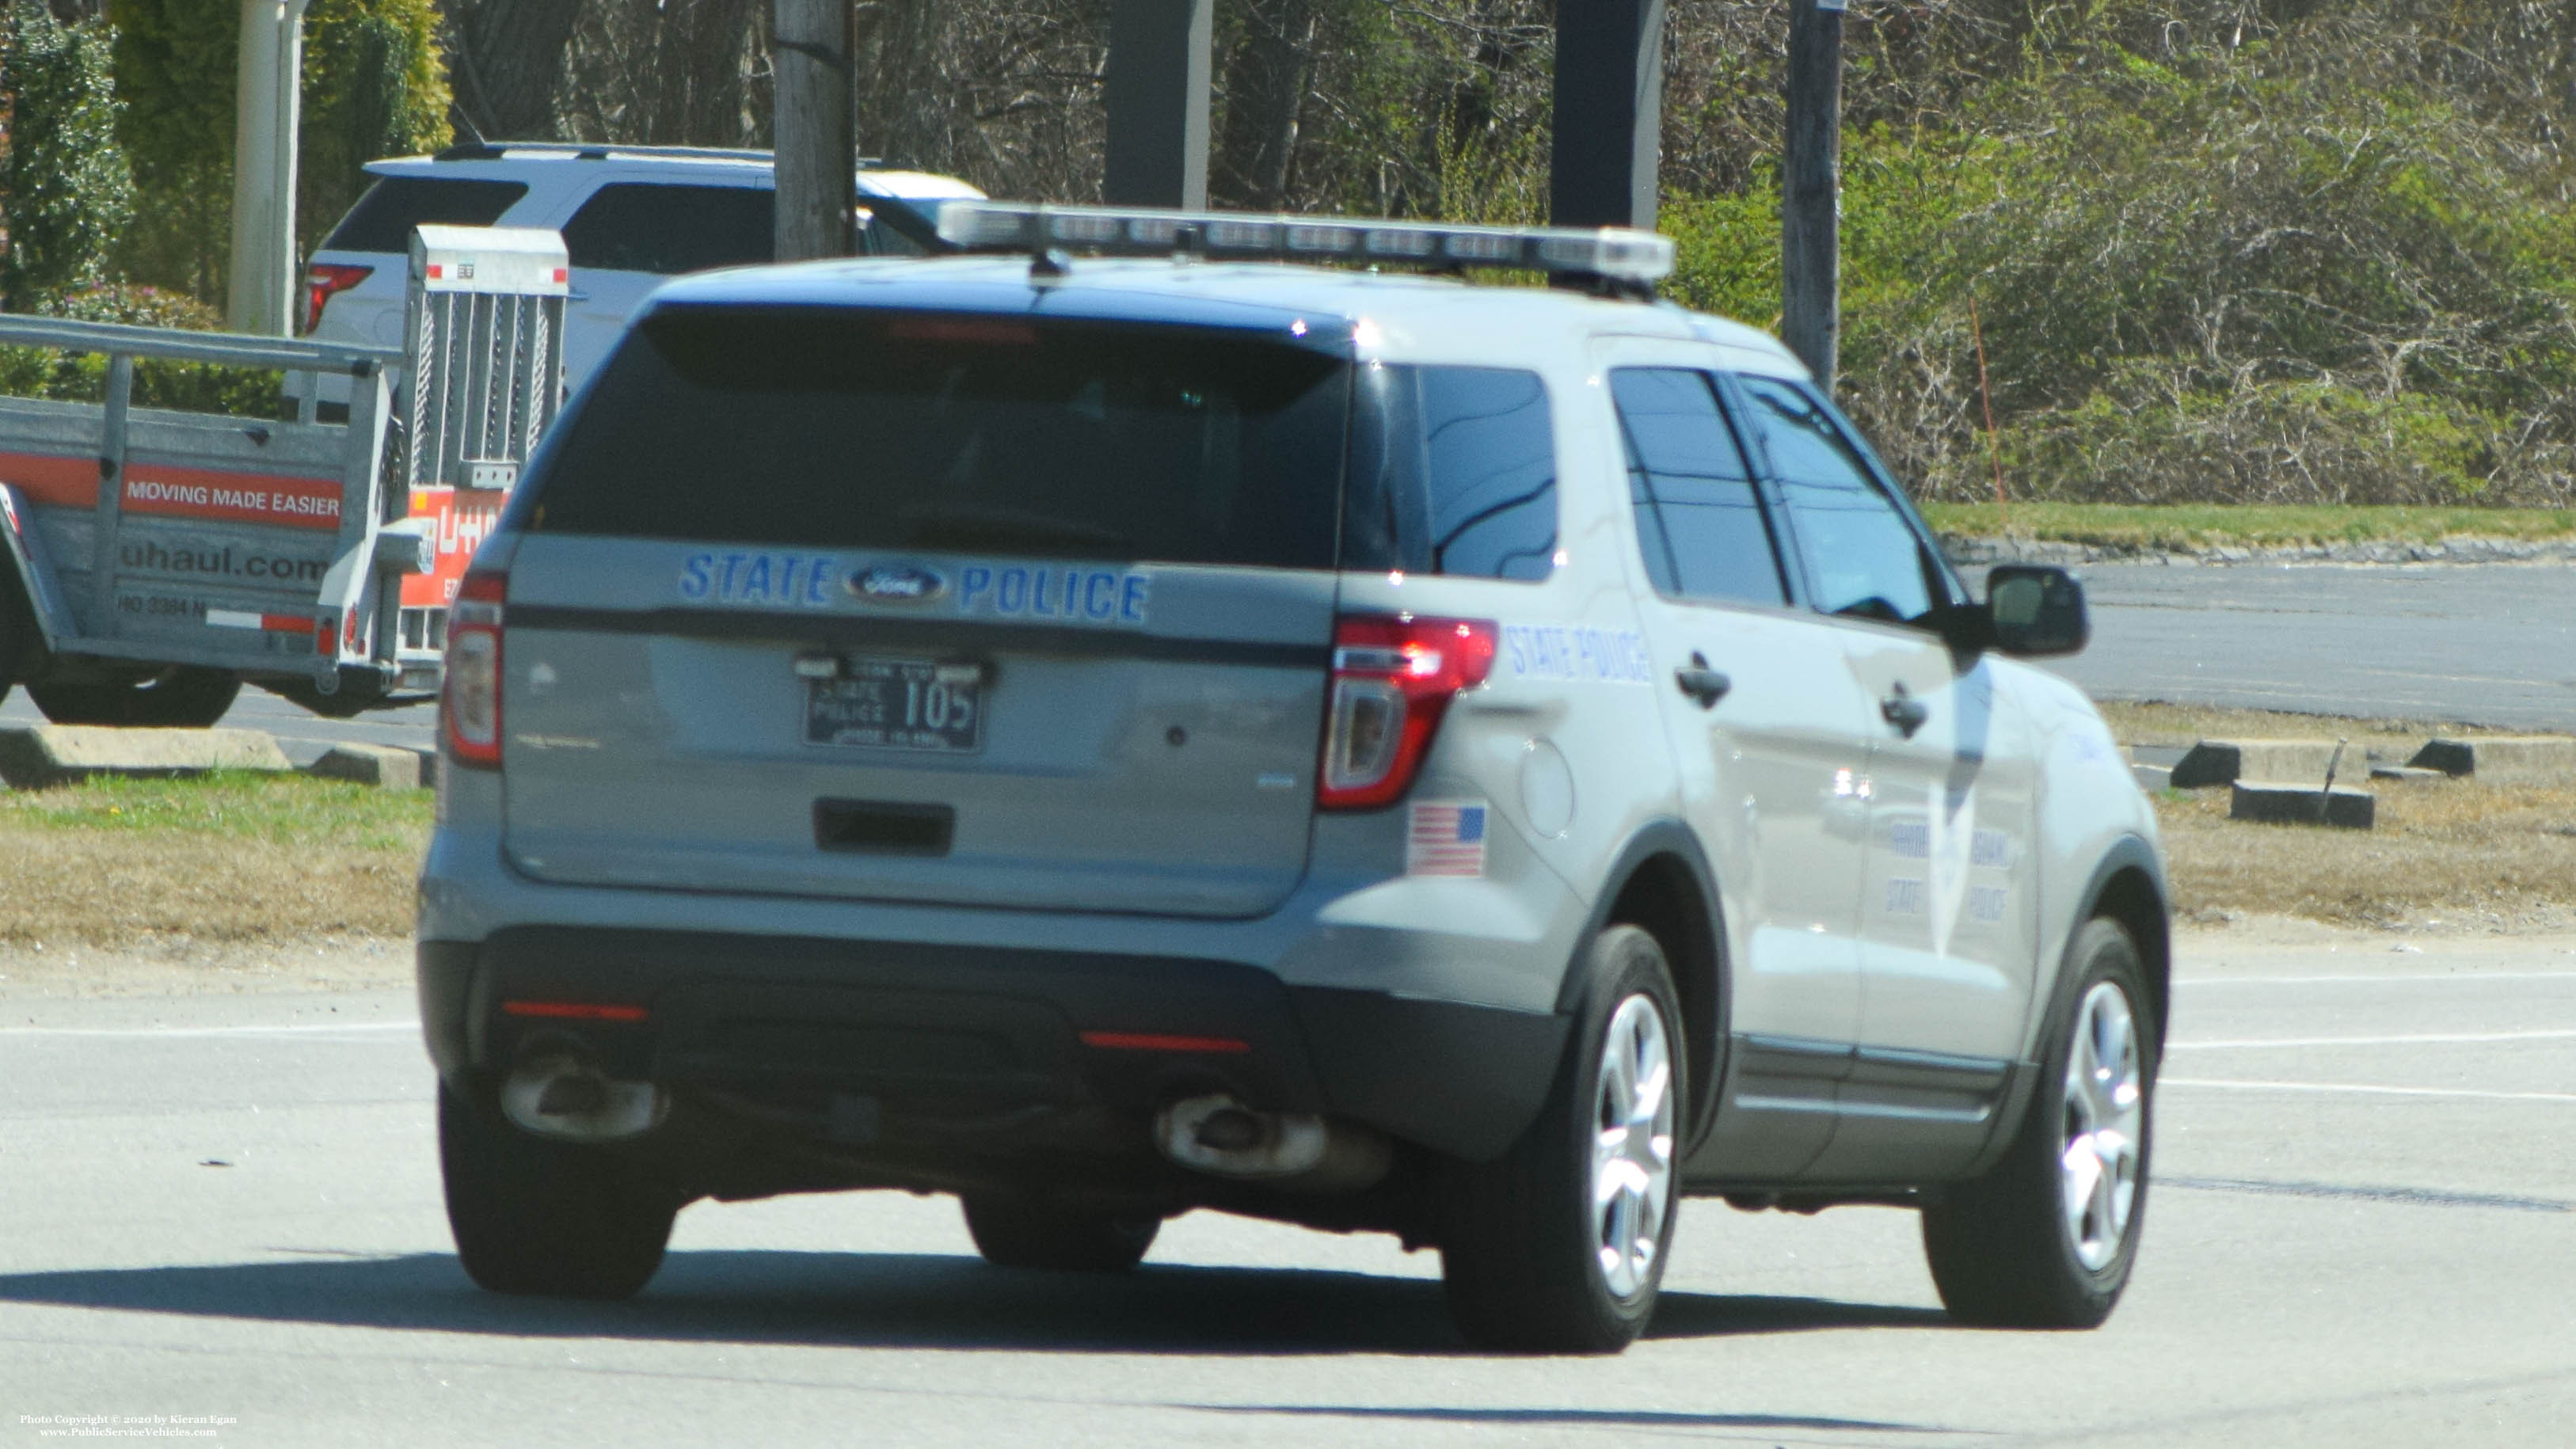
(1108, 736)
(630, 216)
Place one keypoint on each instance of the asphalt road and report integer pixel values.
(2364, 1232)
(2491, 644)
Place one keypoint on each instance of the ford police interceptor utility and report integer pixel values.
(1118, 723)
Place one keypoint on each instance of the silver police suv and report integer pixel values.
(1117, 722)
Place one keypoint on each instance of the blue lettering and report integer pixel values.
(732, 562)
(817, 575)
(1131, 598)
(1013, 595)
(976, 582)
(1513, 636)
(694, 576)
(755, 583)
(1038, 596)
(1100, 596)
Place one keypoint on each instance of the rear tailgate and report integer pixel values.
(1054, 632)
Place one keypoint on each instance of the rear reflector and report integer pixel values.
(1147, 1041)
(575, 1010)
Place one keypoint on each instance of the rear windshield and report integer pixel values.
(383, 218)
(845, 429)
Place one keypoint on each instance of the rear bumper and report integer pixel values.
(917, 1030)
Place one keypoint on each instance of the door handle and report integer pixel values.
(1904, 711)
(1702, 683)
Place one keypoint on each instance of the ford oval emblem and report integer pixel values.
(897, 584)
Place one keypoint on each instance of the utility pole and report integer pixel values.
(1609, 113)
(267, 113)
(1811, 189)
(1157, 95)
(816, 144)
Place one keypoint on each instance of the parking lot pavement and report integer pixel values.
(2364, 1232)
(2477, 643)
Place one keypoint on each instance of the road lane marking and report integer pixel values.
(2366, 1089)
(2418, 1039)
(2422, 1196)
(2374, 980)
(306, 1029)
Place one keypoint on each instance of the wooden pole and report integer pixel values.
(816, 146)
(1811, 189)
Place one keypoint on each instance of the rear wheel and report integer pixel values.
(179, 697)
(18, 638)
(552, 1219)
(2047, 1238)
(1014, 1231)
(1559, 1246)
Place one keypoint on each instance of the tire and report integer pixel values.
(1031, 1232)
(2047, 1238)
(1533, 1260)
(18, 638)
(545, 1218)
(177, 698)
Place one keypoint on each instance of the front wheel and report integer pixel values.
(551, 1219)
(2047, 1238)
(1559, 1246)
(179, 697)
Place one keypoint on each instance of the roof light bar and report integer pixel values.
(1617, 254)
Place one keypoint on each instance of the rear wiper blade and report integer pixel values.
(972, 526)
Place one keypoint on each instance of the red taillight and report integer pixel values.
(469, 707)
(324, 281)
(1393, 678)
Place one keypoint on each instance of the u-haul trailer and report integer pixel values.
(155, 560)
(158, 559)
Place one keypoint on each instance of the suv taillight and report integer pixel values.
(1393, 678)
(324, 281)
(469, 706)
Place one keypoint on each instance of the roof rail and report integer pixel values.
(602, 150)
(1615, 261)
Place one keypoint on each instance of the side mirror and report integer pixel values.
(2037, 611)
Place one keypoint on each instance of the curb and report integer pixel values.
(35, 756)
(1978, 550)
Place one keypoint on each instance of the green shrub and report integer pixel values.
(198, 387)
(69, 193)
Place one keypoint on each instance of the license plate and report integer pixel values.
(898, 704)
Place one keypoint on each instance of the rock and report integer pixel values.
(2343, 808)
(2509, 759)
(2222, 762)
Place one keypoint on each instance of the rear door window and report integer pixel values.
(1453, 472)
(666, 230)
(383, 219)
(1699, 521)
(841, 428)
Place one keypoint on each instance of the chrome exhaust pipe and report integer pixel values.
(1300, 1150)
(565, 1097)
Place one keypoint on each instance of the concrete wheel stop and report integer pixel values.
(34, 756)
(2340, 806)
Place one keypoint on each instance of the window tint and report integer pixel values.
(1693, 495)
(1453, 471)
(836, 428)
(671, 229)
(383, 218)
(1861, 556)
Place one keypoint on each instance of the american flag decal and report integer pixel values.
(1445, 837)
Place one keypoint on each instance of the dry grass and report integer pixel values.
(228, 858)
(2191, 527)
(2454, 853)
